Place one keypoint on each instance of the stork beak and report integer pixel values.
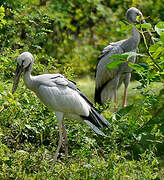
(18, 73)
(143, 21)
(140, 19)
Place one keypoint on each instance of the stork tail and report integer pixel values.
(96, 120)
(98, 96)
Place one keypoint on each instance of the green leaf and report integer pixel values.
(119, 56)
(46, 30)
(113, 64)
(158, 51)
(131, 54)
(126, 55)
(159, 28)
(1, 88)
(145, 26)
(136, 67)
(159, 31)
(160, 25)
(122, 112)
(162, 37)
(153, 47)
(125, 26)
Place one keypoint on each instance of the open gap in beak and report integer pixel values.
(18, 73)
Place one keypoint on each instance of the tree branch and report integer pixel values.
(147, 50)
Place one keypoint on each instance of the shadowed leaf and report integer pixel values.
(123, 111)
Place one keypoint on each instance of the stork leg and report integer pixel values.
(124, 104)
(115, 101)
(126, 82)
(115, 96)
(59, 116)
(116, 83)
(65, 139)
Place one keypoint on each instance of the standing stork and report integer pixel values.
(61, 95)
(108, 81)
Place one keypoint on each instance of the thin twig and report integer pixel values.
(147, 50)
(2, 109)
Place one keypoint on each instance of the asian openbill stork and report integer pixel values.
(62, 96)
(109, 81)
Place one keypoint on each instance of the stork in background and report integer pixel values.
(109, 81)
(62, 96)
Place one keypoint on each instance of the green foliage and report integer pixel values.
(67, 36)
(125, 56)
(114, 64)
(125, 26)
(150, 129)
(145, 25)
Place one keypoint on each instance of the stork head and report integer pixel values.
(24, 61)
(132, 14)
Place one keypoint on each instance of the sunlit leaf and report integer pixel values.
(1, 88)
(119, 56)
(125, 26)
(153, 47)
(160, 25)
(46, 30)
(162, 37)
(145, 26)
(158, 51)
(136, 67)
(159, 28)
(159, 31)
(131, 54)
(126, 55)
(113, 64)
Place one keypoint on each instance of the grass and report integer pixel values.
(29, 136)
(87, 85)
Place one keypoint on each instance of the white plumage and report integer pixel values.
(61, 95)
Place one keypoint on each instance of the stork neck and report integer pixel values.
(135, 35)
(132, 43)
(28, 77)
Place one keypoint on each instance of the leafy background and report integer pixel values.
(66, 37)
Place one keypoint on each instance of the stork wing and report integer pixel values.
(102, 75)
(62, 95)
(109, 48)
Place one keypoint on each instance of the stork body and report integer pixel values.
(108, 81)
(61, 95)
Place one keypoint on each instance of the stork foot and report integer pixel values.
(124, 105)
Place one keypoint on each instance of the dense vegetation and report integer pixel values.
(66, 37)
